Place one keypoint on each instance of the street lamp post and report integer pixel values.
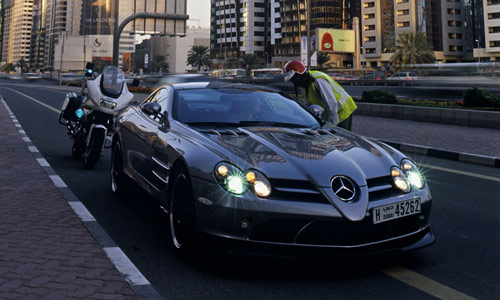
(477, 47)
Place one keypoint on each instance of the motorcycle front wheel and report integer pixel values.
(93, 151)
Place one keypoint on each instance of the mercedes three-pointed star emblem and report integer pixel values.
(344, 188)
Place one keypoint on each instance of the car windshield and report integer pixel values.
(239, 107)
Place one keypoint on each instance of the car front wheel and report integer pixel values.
(181, 212)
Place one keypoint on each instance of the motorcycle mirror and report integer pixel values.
(316, 110)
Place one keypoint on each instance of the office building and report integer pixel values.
(443, 21)
(238, 27)
(17, 23)
(487, 39)
(37, 47)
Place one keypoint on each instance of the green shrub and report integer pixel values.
(476, 97)
(378, 96)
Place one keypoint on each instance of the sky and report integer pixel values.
(199, 9)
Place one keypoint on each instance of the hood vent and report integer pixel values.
(235, 133)
(318, 132)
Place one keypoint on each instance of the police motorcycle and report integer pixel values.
(90, 115)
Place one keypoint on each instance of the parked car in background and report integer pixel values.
(377, 75)
(340, 76)
(403, 75)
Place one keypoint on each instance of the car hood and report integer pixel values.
(304, 154)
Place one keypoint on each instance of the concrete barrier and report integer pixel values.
(462, 117)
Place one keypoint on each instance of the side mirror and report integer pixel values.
(316, 110)
(152, 109)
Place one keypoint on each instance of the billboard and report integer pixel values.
(312, 49)
(99, 17)
(336, 40)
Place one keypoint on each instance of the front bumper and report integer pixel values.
(299, 225)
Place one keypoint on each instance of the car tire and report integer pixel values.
(181, 213)
(119, 180)
(93, 151)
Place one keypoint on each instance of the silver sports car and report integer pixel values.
(248, 165)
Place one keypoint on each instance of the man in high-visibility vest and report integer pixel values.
(322, 90)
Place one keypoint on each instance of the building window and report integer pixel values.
(495, 29)
(370, 50)
(369, 39)
(493, 16)
(455, 36)
(403, 24)
(369, 4)
(369, 16)
(494, 43)
(493, 2)
(402, 1)
(403, 12)
(369, 27)
(454, 48)
(455, 23)
(454, 11)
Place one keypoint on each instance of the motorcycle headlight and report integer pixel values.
(108, 104)
(413, 174)
(79, 113)
(400, 180)
(237, 182)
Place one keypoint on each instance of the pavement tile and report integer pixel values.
(44, 246)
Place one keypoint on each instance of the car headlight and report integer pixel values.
(413, 174)
(400, 180)
(237, 182)
(259, 184)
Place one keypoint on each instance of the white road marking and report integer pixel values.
(125, 266)
(58, 181)
(425, 284)
(34, 100)
(81, 211)
(33, 149)
(22, 131)
(43, 162)
(462, 172)
(26, 139)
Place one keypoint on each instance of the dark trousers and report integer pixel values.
(346, 124)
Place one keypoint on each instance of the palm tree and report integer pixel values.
(8, 67)
(323, 60)
(250, 61)
(412, 48)
(159, 63)
(22, 64)
(199, 56)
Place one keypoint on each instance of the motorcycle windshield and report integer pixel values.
(112, 81)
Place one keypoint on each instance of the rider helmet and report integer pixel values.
(293, 67)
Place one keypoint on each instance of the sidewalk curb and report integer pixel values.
(484, 160)
(139, 284)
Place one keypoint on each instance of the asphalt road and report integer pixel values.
(465, 261)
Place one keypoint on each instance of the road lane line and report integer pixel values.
(58, 182)
(34, 100)
(425, 284)
(462, 172)
(125, 266)
(82, 211)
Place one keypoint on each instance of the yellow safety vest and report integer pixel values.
(346, 105)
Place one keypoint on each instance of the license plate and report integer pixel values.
(397, 210)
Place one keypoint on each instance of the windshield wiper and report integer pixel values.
(270, 123)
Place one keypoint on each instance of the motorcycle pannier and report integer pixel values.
(73, 104)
